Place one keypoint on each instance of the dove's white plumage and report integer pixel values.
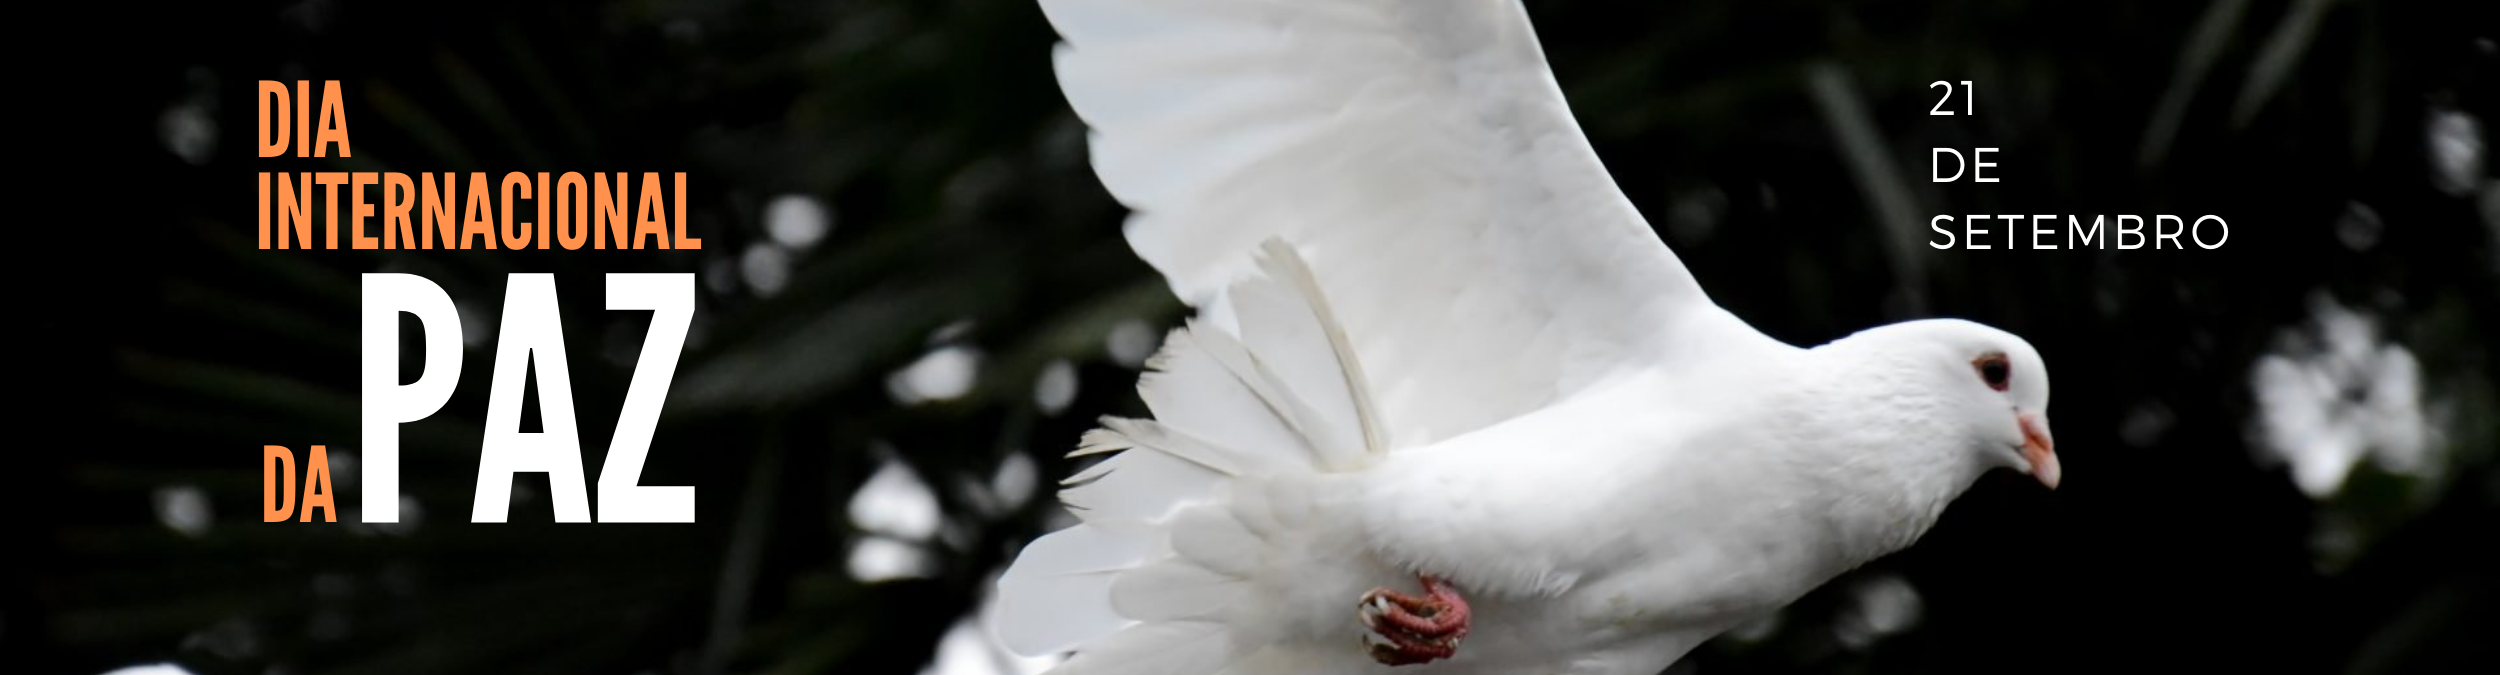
(1434, 338)
(1409, 150)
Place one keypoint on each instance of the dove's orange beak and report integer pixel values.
(2039, 450)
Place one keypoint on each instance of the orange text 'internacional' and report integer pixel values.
(515, 211)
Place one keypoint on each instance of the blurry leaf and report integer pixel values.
(2196, 58)
(2276, 60)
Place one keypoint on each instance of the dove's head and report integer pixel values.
(1987, 388)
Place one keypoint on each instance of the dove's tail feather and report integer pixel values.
(1201, 529)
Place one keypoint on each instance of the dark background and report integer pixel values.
(2343, 142)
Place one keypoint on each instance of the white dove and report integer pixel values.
(1438, 350)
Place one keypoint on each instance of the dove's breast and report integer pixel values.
(1644, 507)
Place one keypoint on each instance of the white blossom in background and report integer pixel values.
(184, 509)
(875, 558)
(1055, 388)
(2455, 141)
(1014, 482)
(189, 129)
(942, 374)
(188, 132)
(2360, 227)
(1007, 488)
(1131, 342)
(766, 268)
(2332, 394)
(895, 502)
(1879, 606)
(797, 221)
(897, 514)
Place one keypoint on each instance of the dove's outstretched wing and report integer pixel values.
(1419, 154)
(1456, 251)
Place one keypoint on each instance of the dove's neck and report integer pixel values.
(1892, 459)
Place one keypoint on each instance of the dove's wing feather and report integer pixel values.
(1453, 257)
(1422, 158)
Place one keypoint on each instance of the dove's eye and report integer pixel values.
(1994, 370)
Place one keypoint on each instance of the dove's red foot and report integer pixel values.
(1418, 630)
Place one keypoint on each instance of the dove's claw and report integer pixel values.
(1417, 629)
(1407, 654)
